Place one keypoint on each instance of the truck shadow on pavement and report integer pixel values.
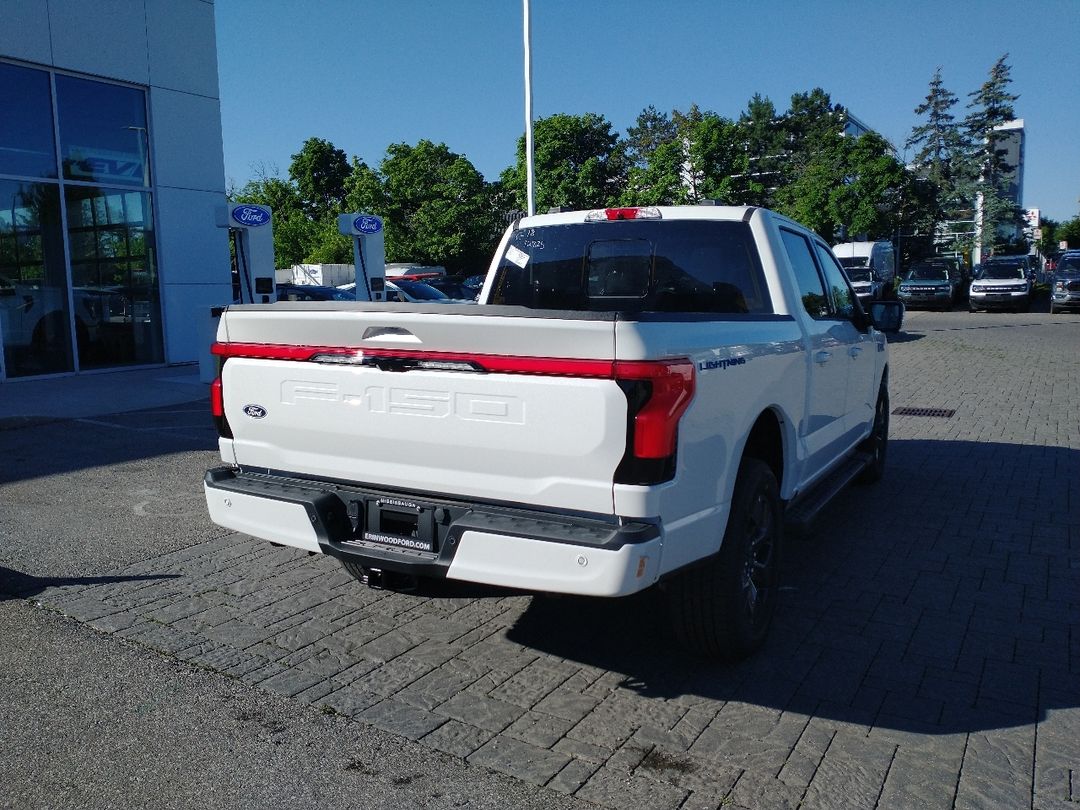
(18, 585)
(944, 599)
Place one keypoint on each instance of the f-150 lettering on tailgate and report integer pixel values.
(400, 400)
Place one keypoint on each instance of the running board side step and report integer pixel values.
(803, 511)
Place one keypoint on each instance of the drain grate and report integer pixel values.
(941, 413)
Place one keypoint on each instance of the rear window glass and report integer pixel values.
(634, 265)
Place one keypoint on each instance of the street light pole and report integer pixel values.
(530, 182)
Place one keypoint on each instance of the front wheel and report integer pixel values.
(722, 608)
(876, 445)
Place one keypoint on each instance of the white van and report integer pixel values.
(870, 266)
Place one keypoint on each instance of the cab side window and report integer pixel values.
(811, 288)
(843, 299)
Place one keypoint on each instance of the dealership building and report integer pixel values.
(111, 179)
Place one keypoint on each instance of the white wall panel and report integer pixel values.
(188, 152)
(191, 247)
(104, 38)
(183, 52)
(188, 327)
(24, 30)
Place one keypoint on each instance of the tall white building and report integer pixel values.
(1009, 138)
(110, 175)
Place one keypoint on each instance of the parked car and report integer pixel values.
(867, 286)
(1003, 282)
(878, 257)
(1065, 289)
(931, 283)
(312, 292)
(415, 292)
(456, 287)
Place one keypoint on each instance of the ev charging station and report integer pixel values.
(251, 231)
(369, 254)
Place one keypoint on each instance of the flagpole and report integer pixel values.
(530, 181)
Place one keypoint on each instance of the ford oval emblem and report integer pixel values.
(365, 223)
(251, 215)
(255, 411)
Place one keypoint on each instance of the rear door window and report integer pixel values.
(634, 265)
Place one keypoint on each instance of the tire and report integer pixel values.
(722, 609)
(877, 443)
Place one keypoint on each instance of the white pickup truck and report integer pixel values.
(642, 396)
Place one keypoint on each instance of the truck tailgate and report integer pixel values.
(338, 393)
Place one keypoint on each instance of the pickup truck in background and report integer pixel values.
(643, 396)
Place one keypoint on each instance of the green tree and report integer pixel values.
(1069, 231)
(990, 107)
(709, 155)
(1047, 243)
(655, 160)
(319, 170)
(761, 152)
(679, 160)
(868, 199)
(578, 160)
(653, 130)
(293, 229)
(940, 154)
(436, 206)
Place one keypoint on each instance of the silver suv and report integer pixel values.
(1065, 286)
(1003, 282)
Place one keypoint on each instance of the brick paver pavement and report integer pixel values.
(926, 652)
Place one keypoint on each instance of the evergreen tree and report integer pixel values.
(990, 107)
(760, 154)
(940, 152)
(653, 130)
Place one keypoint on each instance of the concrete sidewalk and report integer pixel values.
(97, 394)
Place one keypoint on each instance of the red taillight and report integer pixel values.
(615, 214)
(217, 399)
(656, 422)
(217, 396)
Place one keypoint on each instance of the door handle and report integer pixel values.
(855, 351)
(822, 356)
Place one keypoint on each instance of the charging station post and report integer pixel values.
(369, 254)
(251, 233)
(251, 230)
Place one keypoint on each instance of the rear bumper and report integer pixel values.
(435, 537)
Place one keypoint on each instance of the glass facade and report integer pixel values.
(78, 262)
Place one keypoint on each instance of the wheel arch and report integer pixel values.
(767, 440)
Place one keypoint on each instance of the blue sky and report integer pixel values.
(369, 73)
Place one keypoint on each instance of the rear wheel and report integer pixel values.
(722, 608)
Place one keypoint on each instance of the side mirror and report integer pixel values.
(887, 316)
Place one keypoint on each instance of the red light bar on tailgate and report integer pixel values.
(655, 423)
